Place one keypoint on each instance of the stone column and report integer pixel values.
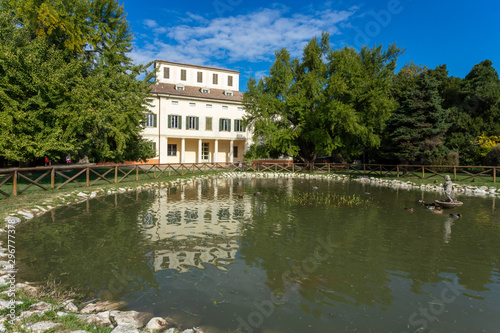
(183, 150)
(216, 150)
(199, 151)
(231, 151)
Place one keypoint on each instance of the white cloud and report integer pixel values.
(253, 37)
(150, 23)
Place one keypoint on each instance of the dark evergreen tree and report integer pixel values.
(416, 131)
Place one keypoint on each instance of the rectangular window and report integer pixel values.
(235, 151)
(224, 107)
(205, 151)
(174, 121)
(179, 88)
(183, 75)
(240, 109)
(224, 125)
(230, 81)
(153, 146)
(208, 123)
(150, 120)
(192, 105)
(200, 77)
(205, 91)
(215, 79)
(166, 72)
(238, 126)
(192, 123)
(175, 102)
(209, 106)
(171, 150)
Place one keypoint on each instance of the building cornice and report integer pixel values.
(179, 64)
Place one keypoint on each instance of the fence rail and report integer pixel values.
(17, 181)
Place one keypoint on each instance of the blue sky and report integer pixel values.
(243, 35)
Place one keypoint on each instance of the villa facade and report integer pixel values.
(196, 115)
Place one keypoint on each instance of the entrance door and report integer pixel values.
(204, 152)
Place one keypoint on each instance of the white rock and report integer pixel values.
(101, 318)
(42, 306)
(102, 306)
(42, 326)
(132, 318)
(27, 215)
(41, 208)
(27, 288)
(125, 329)
(69, 306)
(93, 195)
(156, 324)
(4, 304)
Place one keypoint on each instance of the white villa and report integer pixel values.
(196, 115)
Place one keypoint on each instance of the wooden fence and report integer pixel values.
(17, 181)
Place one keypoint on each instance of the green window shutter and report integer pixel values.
(154, 121)
(229, 125)
(235, 127)
(169, 121)
(187, 122)
(220, 124)
(180, 122)
(197, 123)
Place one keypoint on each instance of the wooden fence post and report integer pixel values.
(454, 173)
(494, 174)
(14, 183)
(53, 178)
(116, 174)
(137, 172)
(423, 172)
(88, 177)
(397, 171)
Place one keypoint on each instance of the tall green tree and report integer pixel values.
(37, 87)
(70, 88)
(326, 102)
(416, 131)
(476, 112)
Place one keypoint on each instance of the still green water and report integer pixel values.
(211, 253)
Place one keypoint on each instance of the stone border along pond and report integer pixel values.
(108, 314)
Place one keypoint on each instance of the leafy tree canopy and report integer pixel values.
(67, 85)
(329, 101)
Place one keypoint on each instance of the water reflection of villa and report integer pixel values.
(216, 254)
(195, 224)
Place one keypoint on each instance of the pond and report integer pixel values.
(303, 256)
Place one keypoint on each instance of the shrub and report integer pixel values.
(493, 156)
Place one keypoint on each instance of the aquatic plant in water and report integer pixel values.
(324, 199)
